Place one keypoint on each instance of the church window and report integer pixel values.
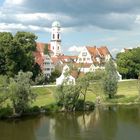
(58, 36)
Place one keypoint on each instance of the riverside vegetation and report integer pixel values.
(18, 98)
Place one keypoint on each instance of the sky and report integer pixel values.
(111, 23)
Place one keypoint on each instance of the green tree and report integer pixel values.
(67, 96)
(20, 92)
(128, 63)
(3, 89)
(84, 83)
(16, 53)
(110, 79)
(6, 40)
(55, 74)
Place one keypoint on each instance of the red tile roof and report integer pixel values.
(93, 51)
(40, 46)
(103, 51)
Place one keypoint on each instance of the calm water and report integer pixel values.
(115, 123)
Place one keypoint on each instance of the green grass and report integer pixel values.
(44, 96)
(127, 93)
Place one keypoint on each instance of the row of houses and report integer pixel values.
(89, 59)
(49, 56)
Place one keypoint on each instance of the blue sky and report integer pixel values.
(114, 23)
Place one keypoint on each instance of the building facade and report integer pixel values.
(55, 42)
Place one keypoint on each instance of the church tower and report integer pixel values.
(56, 38)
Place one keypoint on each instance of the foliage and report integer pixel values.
(20, 92)
(5, 112)
(40, 79)
(110, 79)
(3, 89)
(84, 82)
(55, 74)
(138, 85)
(36, 70)
(67, 96)
(129, 63)
(16, 52)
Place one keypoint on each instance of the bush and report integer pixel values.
(84, 106)
(51, 108)
(79, 105)
(5, 112)
(32, 110)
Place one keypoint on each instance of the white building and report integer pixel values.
(65, 78)
(94, 55)
(44, 60)
(55, 43)
(48, 66)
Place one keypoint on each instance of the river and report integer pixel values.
(105, 123)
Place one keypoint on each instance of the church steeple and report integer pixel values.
(56, 38)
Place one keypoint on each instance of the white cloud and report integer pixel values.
(75, 49)
(13, 2)
(19, 27)
(34, 16)
(137, 19)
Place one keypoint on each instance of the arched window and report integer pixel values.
(58, 36)
(58, 47)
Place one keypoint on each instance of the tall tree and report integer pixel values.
(20, 92)
(110, 80)
(16, 53)
(6, 40)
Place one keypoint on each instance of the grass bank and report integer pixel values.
(127, 93)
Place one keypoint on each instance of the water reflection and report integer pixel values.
(105, 123)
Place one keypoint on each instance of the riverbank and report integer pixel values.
(127, 94)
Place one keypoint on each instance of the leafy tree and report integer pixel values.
(55, 74)
(16, 53)
(67, 96)
(36, 70)
(84, 83)
(20, 92)
(3, 89)
(110, 79)
(40, 79)
(5, 44)
(128, 63)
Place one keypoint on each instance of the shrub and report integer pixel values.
(5, 112)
